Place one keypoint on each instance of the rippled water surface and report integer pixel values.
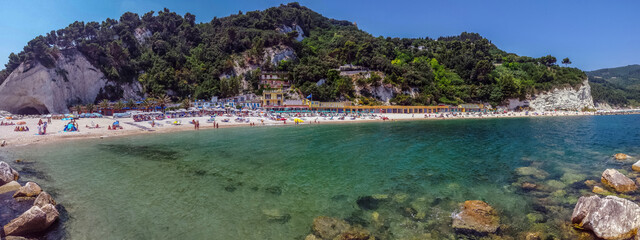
(271, 182)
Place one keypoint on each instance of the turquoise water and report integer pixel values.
(271, 182)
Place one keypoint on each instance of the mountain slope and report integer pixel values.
(616, 86)
(170, 54)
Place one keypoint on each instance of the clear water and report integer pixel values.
(271, 182)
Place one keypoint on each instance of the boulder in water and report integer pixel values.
(10, 187)
(636, 166)
(29, 190)
(618, 181)
(608, 218)
(43, 199)
(620, 156)
(476, 216)
(6, 173)
(32, 221)
(52, 215)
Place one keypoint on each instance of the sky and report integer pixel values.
(593, 34)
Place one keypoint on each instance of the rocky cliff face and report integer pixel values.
(559, 98)
(35, 89)
(294, 27)
(273, 54)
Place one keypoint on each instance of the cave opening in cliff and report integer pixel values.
(31, 111)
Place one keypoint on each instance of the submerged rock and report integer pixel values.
(527, 186)
(617, 181)
(275, 215)
(532, 171)
(609, 218)
(476, 216)
(368, 203)
(590, 183)
(355, 234)
(601, 191)
(533, 236)
(571, 178)
(620, 156)
(9, 187)
(328, 228)
(29, 190)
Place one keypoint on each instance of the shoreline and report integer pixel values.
(130, 128)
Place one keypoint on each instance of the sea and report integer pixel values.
(397, 180)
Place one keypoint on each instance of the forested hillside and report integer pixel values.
(616, 86)
(172, 54)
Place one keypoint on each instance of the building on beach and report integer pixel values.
(274, 80)
(348, 107)
(250, 101)
(272, 98)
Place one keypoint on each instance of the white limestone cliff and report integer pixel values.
(566, 98)
(35, 89)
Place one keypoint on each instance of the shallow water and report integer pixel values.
(271, 182)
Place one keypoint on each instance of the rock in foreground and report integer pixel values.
(43, 199)
(29, 190)
(618, 181)
(7, 174)
(9, 187)
(32, 221)
(608, 218)
(476, 217)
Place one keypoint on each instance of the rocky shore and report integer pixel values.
(572, 206)
(27, 211)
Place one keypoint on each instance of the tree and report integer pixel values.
(90, 107)
(78, 108)
(131, 104)
(548, 60)
(566, 61)
(104, 104)
(119, 105)
(163, 101)
(149, 103)
(186, 104)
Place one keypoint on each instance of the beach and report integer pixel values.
(130, 127)
(403, 179)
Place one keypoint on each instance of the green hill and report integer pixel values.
(616, 86)
(182, 58)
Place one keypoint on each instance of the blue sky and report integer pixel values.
(593, 34)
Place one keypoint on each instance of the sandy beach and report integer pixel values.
(130, 127)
